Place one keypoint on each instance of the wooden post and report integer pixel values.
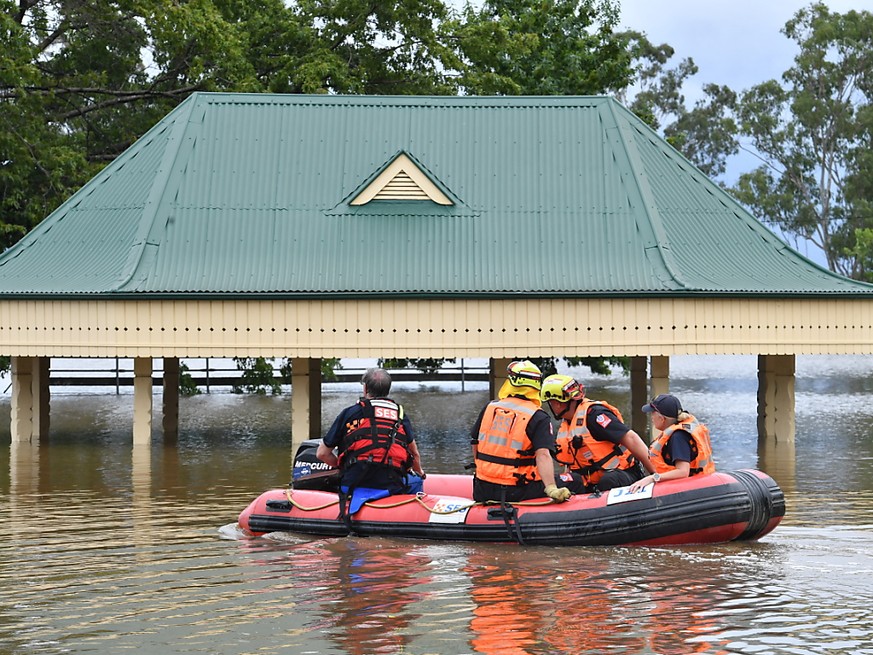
(170, 417)
(142, 400)
(22, 429)
(305, 400)
(776, 398)
(658, 384)
(497, 375)
(41, 398)
(639, 384)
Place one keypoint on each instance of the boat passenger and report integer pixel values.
(513, 442)
(682, 449)
(374, 442)
(593, 440)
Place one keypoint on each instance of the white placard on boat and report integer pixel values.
(449, 510)
(624, 495)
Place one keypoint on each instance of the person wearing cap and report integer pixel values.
(513, 442)
(375, 446)
(682, 448)
(593, 439)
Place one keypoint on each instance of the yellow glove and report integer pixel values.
(558, 494)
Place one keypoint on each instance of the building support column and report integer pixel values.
(659, 382)
(142, 401)
(22, 410)
(639, 396)
(170, 416)
(776, 398)
(41, 398)
(497, 375)
(305, 400)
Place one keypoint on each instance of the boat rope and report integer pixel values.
(419, 498)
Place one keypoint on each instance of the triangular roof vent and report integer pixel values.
(401, 179)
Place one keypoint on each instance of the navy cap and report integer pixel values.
(665, 404)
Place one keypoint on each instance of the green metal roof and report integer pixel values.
(234, 194)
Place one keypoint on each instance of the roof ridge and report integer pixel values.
(156, 200)
(646, 197)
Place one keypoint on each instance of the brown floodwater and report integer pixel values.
(111, 549)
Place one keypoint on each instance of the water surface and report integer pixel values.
(111, 549)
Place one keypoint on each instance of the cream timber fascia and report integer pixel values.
(435, 328)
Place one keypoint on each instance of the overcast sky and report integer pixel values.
(733, 42)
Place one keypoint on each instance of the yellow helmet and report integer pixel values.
(525, 374)
(562, 388)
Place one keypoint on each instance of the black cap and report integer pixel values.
(665, 404)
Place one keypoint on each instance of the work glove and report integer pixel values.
(558, 494)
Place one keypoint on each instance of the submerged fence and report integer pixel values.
(221, 374)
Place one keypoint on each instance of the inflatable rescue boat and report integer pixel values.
(737, 505)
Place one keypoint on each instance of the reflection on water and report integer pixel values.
(109, 548)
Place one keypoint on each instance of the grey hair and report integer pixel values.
(377, 382)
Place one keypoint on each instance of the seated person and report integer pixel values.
(513, 442)
(682, 449)
(374, 441)
(593, 441)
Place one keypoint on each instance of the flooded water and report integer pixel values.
(111, 549)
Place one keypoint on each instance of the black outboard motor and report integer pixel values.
(309, 472)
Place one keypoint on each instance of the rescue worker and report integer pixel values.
(593, 440)
(374, 441)
(682, 449)
(513, 443)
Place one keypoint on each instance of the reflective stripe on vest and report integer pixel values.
(504, 453)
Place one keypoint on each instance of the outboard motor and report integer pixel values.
(309, 472)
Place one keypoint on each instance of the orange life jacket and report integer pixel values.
(504, 453)
(585, 455)
(377, 437)
(701, 448)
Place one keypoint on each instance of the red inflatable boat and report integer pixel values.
(736, 505)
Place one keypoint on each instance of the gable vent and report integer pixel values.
(401, 187)
(402, 180)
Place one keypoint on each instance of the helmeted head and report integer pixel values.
(562, 388)
(524, 373)
(559, 391)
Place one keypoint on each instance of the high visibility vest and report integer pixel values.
(583, 454)
(701, 448)
(504, 453)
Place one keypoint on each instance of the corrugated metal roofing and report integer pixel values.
(238, 194)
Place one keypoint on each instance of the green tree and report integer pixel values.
(187, 385)
(258, 376)
(656, 93)
(597, 365)
(424, 364)
(812, 134)
(707, 133)
(81, 81)
(540, 47)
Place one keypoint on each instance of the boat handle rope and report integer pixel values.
(419, 498)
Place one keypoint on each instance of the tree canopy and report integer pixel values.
(810, 131)
(80, 81)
